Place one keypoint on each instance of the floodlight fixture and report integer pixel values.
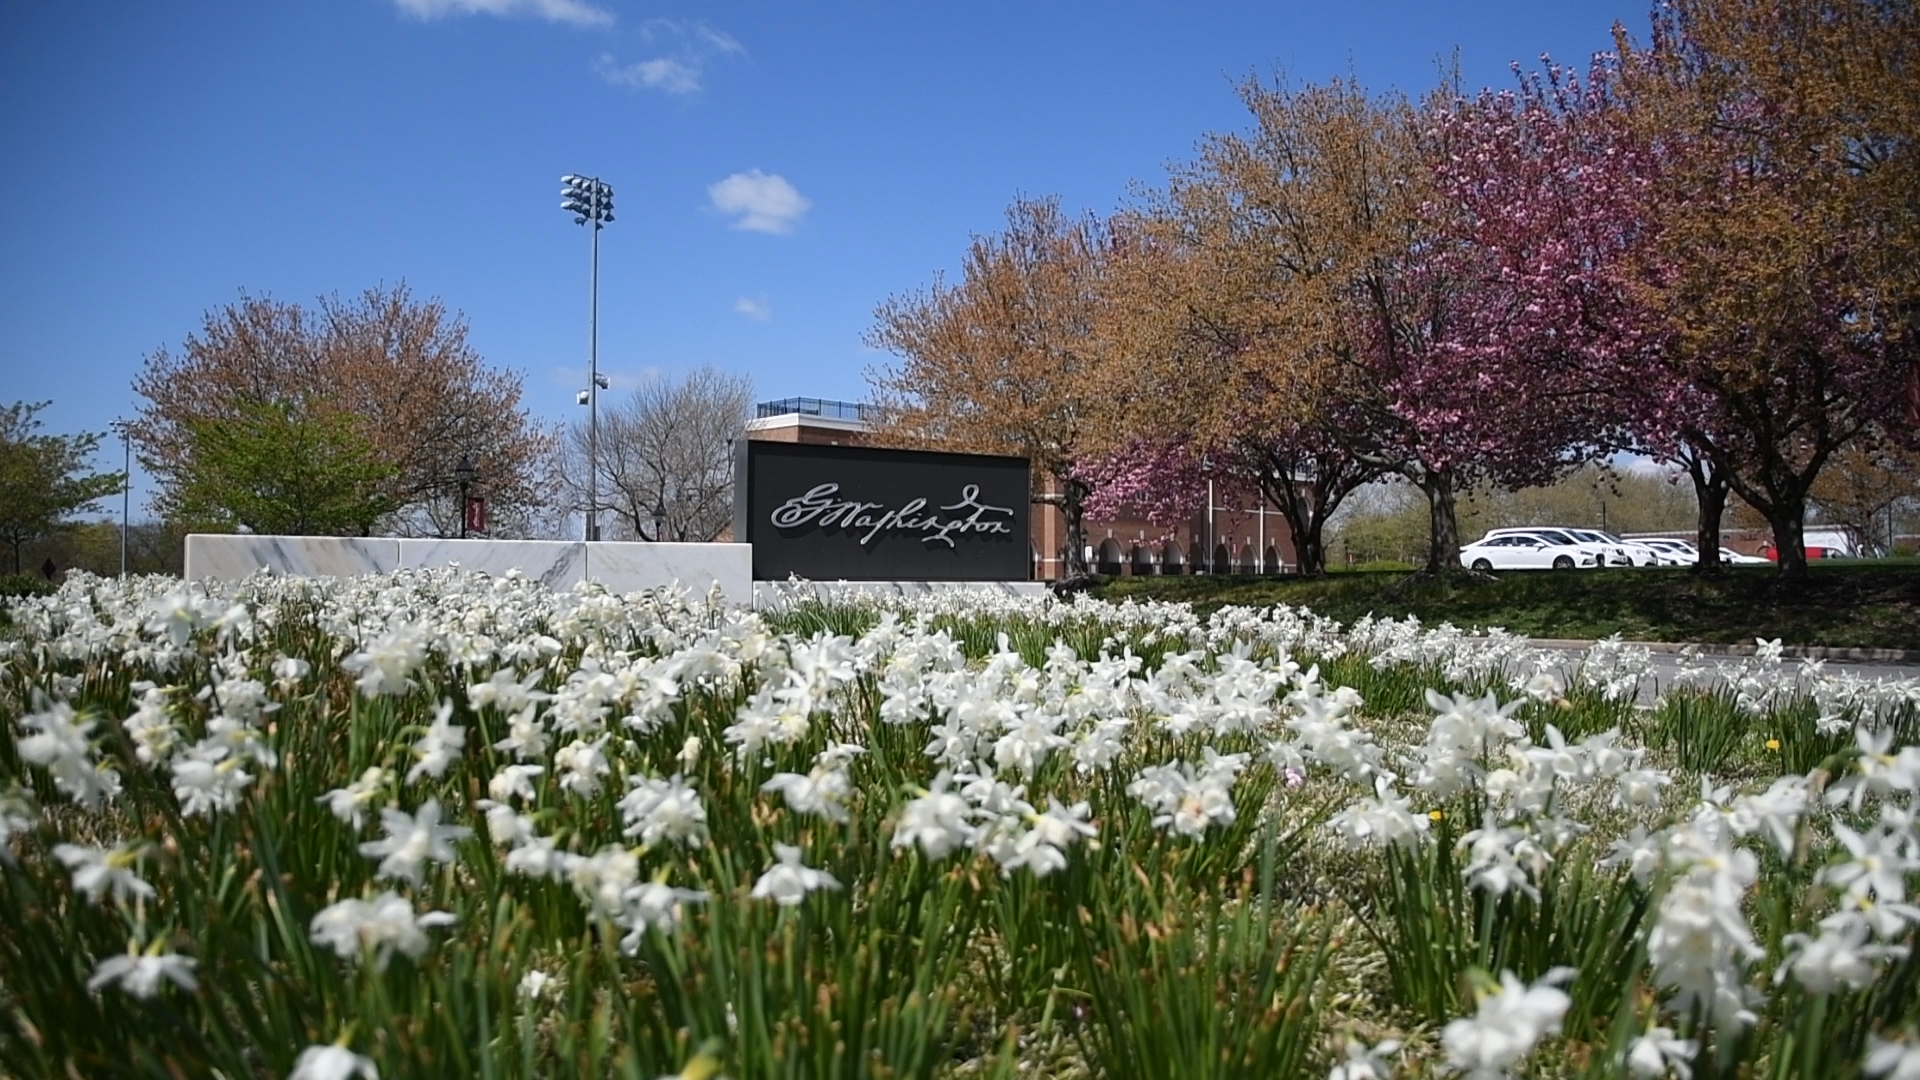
(590, 199)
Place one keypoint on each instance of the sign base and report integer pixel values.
(768, 594)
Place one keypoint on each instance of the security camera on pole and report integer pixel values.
(590, 200)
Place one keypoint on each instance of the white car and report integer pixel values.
(1619, 552)
(1687, 554)
(1520, 552)
(1602, 554)
(1677, 552)
(1638, 552)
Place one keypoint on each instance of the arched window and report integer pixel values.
(1142, 559)
(1172, 559)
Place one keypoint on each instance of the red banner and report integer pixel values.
(476, 514)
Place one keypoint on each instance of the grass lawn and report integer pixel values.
(1855, 603)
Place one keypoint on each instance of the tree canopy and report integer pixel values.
(381, 375)
(1705, 249)
(1006, 361)
(667, 447)
(44, 479)
(279, 468)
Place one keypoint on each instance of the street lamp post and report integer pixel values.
(659, 520)
(590, 200)
(463, 473)
(126, 489)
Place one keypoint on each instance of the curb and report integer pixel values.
(1798, 652)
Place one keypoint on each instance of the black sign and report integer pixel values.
(858, 513)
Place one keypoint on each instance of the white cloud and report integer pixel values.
(755, 308)
(665, 73)
(572, 12)
(679, 70)
(1646, 466)
(760, 202)
(717, 41)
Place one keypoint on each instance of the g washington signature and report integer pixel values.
(821, 506)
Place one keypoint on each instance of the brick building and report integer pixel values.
(1231, 536)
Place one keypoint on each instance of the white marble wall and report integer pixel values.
(560, 564)
(230, 558)
(625, 568)
(557, 564)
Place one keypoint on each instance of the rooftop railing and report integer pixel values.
(821, 407)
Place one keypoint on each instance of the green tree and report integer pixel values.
(400, 367)
(280, 468)
(44, 479)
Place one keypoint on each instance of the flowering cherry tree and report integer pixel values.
(1547, 188)
(1301, 470)
(1308, 318)
(1678, 250)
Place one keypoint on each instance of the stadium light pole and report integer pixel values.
(590, 200)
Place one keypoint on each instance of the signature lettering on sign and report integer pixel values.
(821, 506)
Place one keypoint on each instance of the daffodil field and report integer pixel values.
(431, 825)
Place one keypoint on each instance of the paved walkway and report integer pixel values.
(1894, 664)
(1790, 652)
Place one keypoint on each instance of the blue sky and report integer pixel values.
(778, 169)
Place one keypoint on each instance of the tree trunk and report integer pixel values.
(1302, 521)
(1788, 520)
(1779, 492)
(1710, 496)
(1443, 545)
(1073, 505)
(1309, 546)
(1307, 506)
(1713, 507)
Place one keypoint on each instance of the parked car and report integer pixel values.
(1603, 554)
(1677, 552)
(1688, 554)
(1814, 551)
(1839, 543)
(1524, 552)
(1634, 552)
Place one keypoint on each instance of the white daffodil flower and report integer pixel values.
(937, 822)
(142, 973)
(1656, 1052)
(381, 926)
(1510, 1022)
(787, 882)
(98, 871)
(350, 803)
(411, 841)
(332, 1063)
